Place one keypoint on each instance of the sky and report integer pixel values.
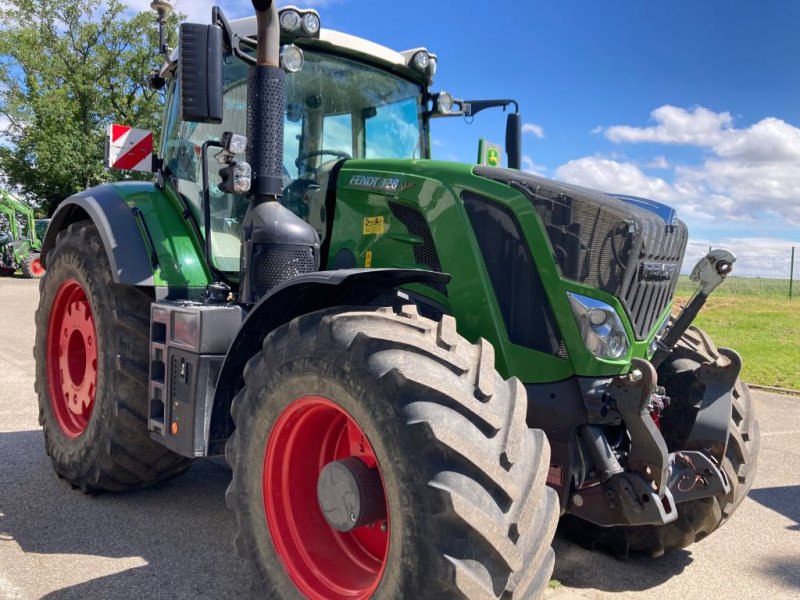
(693, 103)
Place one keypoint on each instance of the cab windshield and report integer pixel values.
(335, 108)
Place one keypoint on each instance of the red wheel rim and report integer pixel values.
(324, 564)
(37, 270)
(71, 358)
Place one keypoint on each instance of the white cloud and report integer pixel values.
(616, 177)
(530, 166)
(748, 173)
(659, 162)
(697, 127)
(533, 128)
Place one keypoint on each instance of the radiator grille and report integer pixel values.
(607, 243)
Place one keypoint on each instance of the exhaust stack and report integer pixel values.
(265, 107)
(276, 244)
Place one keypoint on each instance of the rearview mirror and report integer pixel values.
(514, 141)
(200, 73)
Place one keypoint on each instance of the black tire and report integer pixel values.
(471, 515)
(697, 518)
(114, 452)
(28, 267)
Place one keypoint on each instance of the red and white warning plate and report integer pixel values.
(129, 149)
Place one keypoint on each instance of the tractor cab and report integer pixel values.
(345, 98)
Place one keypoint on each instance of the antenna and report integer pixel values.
(164, 9)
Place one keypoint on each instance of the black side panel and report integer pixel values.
(330, 212)
(298, 296)
(116, 223)
(517, 286)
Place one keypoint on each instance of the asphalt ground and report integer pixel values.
(175, 540)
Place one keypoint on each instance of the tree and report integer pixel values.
(68, 68)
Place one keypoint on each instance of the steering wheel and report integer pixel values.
(303, 157)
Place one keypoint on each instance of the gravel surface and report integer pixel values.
(175, 540)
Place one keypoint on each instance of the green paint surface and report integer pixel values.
(434, 188)
(181, 265)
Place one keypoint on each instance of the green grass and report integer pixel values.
(765, 331)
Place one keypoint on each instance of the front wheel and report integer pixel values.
(31, 267)
(378, 454)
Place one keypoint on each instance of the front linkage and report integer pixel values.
(654, 480)
(690, 454)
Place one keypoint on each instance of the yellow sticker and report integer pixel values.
(368, 260)
(373, 225)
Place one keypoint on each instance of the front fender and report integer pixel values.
(295, 297)
(116, 224)
(145, 233)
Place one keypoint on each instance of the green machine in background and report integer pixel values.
(412, 366)
(20, 238)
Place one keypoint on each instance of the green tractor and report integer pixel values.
(20, 238)
(278, 295)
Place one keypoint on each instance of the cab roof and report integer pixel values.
(333, 39)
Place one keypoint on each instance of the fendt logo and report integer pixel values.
(370, 182)
(658, 271)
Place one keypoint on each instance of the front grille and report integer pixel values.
(607, 243)
(274, 263)
(425, 253)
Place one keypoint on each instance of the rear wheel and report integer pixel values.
(378, 454)
(696, 518)
(31, 266)
(92, 371)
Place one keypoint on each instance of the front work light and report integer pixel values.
(444, 103)
(600, 327)
(421, 60)
(290, 21)
(311, 24)
(234, 143)
(292, 59)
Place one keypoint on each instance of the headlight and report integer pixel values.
(600, 327)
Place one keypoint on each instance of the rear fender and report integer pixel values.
(299, 296)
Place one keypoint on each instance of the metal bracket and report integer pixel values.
(694, 475)
(648, 455)
(710, 430)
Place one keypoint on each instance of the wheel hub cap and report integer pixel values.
(350, 494)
